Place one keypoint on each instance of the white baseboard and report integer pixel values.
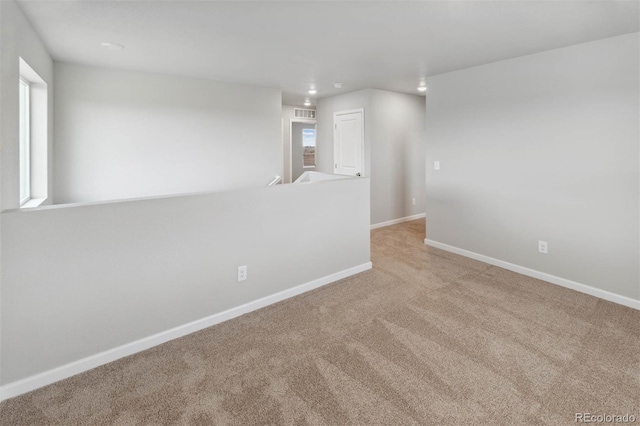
(396, 221)
(19, 387)
(582, 288)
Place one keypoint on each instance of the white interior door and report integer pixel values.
(348, 142)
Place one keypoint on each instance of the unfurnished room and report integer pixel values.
(319, 212)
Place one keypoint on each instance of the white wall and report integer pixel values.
(287, 115)
(394, 148)
(79, 280)
(1, 180)
(18, 39)
(397, 123)
(127, 134)
(542, 147)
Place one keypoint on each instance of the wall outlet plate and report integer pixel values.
(242, 273)
(543, 247)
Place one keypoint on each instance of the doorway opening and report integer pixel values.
(302, 147)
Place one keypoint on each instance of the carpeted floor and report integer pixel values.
(426, 337)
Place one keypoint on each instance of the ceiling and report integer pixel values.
(292, 45)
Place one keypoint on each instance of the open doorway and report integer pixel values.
(302, 147)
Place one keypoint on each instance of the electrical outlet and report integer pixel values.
(413, 201)
(242, 273)
(543, 247)
(436, 165)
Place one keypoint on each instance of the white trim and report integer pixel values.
(275, 181)
(349, 111)
(396, 221)
(19, 387)
(25, 141)
(33, 202)
(563, 282)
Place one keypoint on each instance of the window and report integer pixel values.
(33, 137)
(309, 147)
(25, 143)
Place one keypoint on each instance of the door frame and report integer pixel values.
(298, 120)
(335, 129)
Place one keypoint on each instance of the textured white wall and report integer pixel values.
(127, 134)
(79, 280)
(542, 147)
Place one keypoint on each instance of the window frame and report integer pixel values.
(25, 140)
(315, 153)
(34, 167)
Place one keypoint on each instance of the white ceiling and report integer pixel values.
(291, 45)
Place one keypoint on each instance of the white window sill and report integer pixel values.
(33, 202)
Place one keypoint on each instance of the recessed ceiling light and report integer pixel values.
(112, 46)
(307, 103)
(312, 91)
(422, 88)
(337, 85)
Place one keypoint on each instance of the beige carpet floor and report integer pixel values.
(426, 337)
